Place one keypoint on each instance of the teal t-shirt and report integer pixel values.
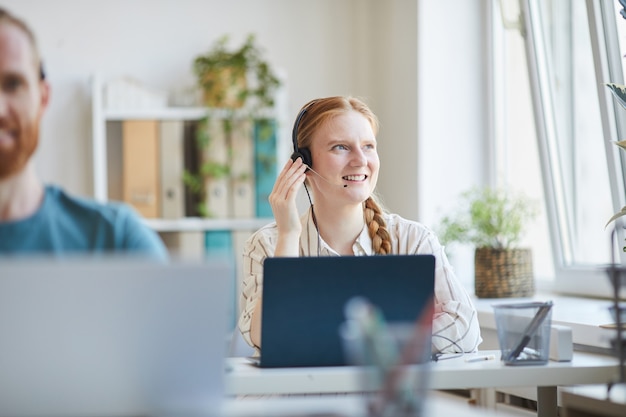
(65, 224)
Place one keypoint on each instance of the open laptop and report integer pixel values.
(112, 337)
(304, 300)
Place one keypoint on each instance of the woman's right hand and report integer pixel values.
(283, 197)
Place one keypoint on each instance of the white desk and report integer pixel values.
(242, 378)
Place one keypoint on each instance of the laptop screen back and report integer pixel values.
(111, 337)
(304, 300)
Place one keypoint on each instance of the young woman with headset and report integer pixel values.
(336, 160)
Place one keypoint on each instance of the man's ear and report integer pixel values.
(44, 88)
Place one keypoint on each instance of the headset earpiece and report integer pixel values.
(303, 153)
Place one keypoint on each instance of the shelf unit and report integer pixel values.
(101, 116)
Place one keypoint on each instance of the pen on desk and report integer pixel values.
(481, 358)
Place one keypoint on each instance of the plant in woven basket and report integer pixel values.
(494, 221)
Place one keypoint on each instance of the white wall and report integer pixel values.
(374, 49)
(156, 41)
(453, 103)
(392, 37)
(452, 98)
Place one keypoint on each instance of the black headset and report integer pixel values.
(303, 153)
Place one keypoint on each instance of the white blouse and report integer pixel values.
(455, 322)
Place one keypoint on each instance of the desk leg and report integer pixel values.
(484, 397)
(547, 405)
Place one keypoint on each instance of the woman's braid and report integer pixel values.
(377, 227)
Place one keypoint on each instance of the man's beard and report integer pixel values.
(13, 161)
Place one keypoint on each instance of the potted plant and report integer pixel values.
(493, 220)
(228, 78)
(241, 83)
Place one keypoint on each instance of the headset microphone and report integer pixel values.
(330, 182)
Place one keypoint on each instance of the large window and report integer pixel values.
(516, 162)
(572, 50)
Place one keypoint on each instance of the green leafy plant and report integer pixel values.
(488, 217)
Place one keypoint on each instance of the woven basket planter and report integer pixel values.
(223, 88)
(502, 273)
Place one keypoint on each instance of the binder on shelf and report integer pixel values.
(140, 166)
(192, 159)
(171, 141)
(264, 164)
(242, 170)
(216, 166)
(218, 242)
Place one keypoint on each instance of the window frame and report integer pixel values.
(570, 277)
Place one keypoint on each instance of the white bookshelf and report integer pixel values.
(167, 113)
(101, 116)
(198, 224)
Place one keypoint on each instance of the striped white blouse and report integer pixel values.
(455, 323)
